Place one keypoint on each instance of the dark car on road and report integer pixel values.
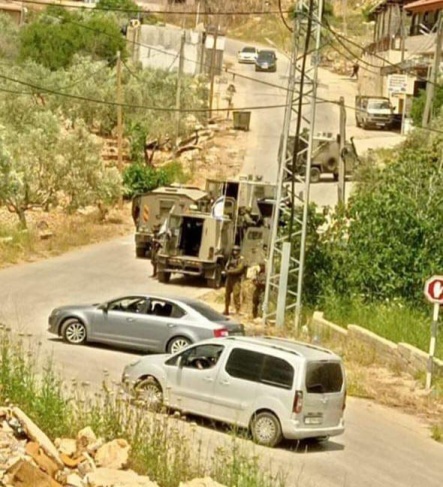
(151, 323)
(266, 61)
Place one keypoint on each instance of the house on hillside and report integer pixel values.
(396, 63)
(14, 10)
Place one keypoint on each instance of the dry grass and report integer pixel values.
(54, 233)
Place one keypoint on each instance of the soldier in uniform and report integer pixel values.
(259, 282)
(155, 247)
(235, 269)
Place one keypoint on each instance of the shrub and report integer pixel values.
(140, 178)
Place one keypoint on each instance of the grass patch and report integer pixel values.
(163, 447)
(66, 232)
(437, 432)
(392, 321)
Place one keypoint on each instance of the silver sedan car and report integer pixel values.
(151, 323)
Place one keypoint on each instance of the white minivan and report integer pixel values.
(274, 387)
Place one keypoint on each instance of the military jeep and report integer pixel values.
(151, 209)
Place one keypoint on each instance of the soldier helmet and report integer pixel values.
(236, 247)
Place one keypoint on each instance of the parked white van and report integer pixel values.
(274, 387)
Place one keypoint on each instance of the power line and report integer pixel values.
(157, 12)
(127, 105)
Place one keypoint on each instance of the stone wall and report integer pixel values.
(408, 358)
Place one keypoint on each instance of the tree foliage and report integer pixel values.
(58, 35)
(419, 102)
(46, 165)
(388, 239)
(140, 178)
(9, 39)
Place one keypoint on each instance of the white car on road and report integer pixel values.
(275, 388)
(247, 55)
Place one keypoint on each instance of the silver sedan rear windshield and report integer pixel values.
(208, 312)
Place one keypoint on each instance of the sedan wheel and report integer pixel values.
(177, 344)
(266, 429)
(150, 392)
(74, 332)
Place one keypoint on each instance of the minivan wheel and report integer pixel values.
(266, 429)
(150, 392)
(74, 332)
(177, 344)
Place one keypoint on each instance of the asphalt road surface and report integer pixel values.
(381, 447)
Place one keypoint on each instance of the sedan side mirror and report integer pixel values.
(180, 362)
(104, 307)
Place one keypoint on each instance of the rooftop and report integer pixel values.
(424, 6)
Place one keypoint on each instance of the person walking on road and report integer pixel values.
(355, 69)
(259, 282)
(235, 269)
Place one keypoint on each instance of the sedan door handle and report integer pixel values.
(130, 320)
(209, 379)
(225, 382)
(171, 325)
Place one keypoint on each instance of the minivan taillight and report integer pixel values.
(221, 332)
(298, 402)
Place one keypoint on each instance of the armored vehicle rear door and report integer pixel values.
(252, 246)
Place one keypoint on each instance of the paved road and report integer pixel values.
(381, 447)
(266, 125)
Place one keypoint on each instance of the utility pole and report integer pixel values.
(179, 87)
(212, 68)
(430, 86)
(285, 266)
(119, 99)
(197, 14)
(341, 161)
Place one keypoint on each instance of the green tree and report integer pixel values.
(388, 240)
(57, 35)
(28, 176)
(47, 165)
(128, 5)
(419, 102)
(9, 40)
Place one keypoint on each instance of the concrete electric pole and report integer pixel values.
(179, 87)
(341, 161)
(119, 99)
(284, 283)
(430, 86)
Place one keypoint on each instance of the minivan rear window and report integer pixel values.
(323, 377)
(259, 367)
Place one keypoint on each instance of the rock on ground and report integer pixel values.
(114, 454)
(107, 477)
(205, 482)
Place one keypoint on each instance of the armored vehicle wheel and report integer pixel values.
(315, 174)
(163, 276)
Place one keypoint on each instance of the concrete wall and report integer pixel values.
(160, 48)
(403, 355)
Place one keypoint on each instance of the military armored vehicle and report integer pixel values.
(325, 156)
(195, 244)
(149, 210)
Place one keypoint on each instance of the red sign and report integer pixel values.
(434, 289)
